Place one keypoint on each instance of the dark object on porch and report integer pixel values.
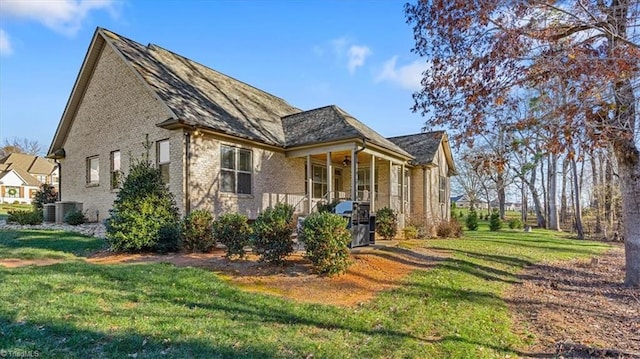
(360, 222)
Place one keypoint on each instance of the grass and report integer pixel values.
(76, 309)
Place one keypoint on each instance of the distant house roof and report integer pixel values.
(330, 123)
(27, 164)
(456, 198)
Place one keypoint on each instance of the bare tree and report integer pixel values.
(481, 53)
(20, 145)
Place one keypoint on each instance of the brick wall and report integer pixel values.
(115, 114)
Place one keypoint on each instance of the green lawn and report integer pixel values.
(78, 310)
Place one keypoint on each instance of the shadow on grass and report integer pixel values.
(59, 241)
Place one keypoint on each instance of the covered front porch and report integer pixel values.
(354, 170)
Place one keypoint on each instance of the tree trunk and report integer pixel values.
(544, 192)
(595, 193)
(563, 195)
(608, 194)
(525, 208)
(576, 199)
(542, 223)
(501, 193)
(551, 193)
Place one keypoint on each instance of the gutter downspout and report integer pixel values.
(187, 172)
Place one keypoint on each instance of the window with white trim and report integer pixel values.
(93, 171)
(443, 190)
(116, 173)
(163, 159)
(235, 170)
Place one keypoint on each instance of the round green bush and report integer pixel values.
(386, 223)
(515, 224)
(326, 240)
(143, 206)
(232, 230)
(272, 230)
(197, 231)
(75, 217)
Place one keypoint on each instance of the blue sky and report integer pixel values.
(355, 54)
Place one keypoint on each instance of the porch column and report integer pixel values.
(402, 180)
(329, 178)
(309, 184)
(372, 187)
(354, 174)
(390, 191)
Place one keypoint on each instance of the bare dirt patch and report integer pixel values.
(376, 268)
(579, 308)
(15, 263)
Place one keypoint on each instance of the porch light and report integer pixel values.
(346, 162)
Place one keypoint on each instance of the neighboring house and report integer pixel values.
(226, 146)
(462, 201)
(21, 175)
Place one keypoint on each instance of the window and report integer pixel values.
(364, 182)
(407, 177)
(235, 170)
(93, 171)
(443, 190)
(319, 176)
(163, 159)
(12, 192)
(116, 173)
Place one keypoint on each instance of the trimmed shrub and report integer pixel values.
(45, 194)
(495, 223)
(326, 240)
(515, 224)
(25, 217)
(197, 231)
(423, 228)
(327, 206)
(386, 223)
(143, 206)
(410, 232)
(472, 220)
(168, 239)
(232, 230)
(75, 217)
(449, 229)
(272, 231)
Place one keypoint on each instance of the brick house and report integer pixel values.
(224, 145)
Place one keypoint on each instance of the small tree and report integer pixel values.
(495, 223)
(232, 230)
(143, 207)
(272, 233)
(45, 194)
(326, 239)
(386, 223)
(472, 219)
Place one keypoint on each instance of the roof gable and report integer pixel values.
(330, 123)
(27, 163)
(424, 147)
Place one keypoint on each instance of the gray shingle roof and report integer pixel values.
(422, 146)
(330, 123)
(201, 96)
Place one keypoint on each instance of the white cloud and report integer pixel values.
(345, 51)
(5, 44)
(357, 55)
(406, 76)
(63, 16)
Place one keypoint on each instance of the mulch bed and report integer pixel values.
(578, 309)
